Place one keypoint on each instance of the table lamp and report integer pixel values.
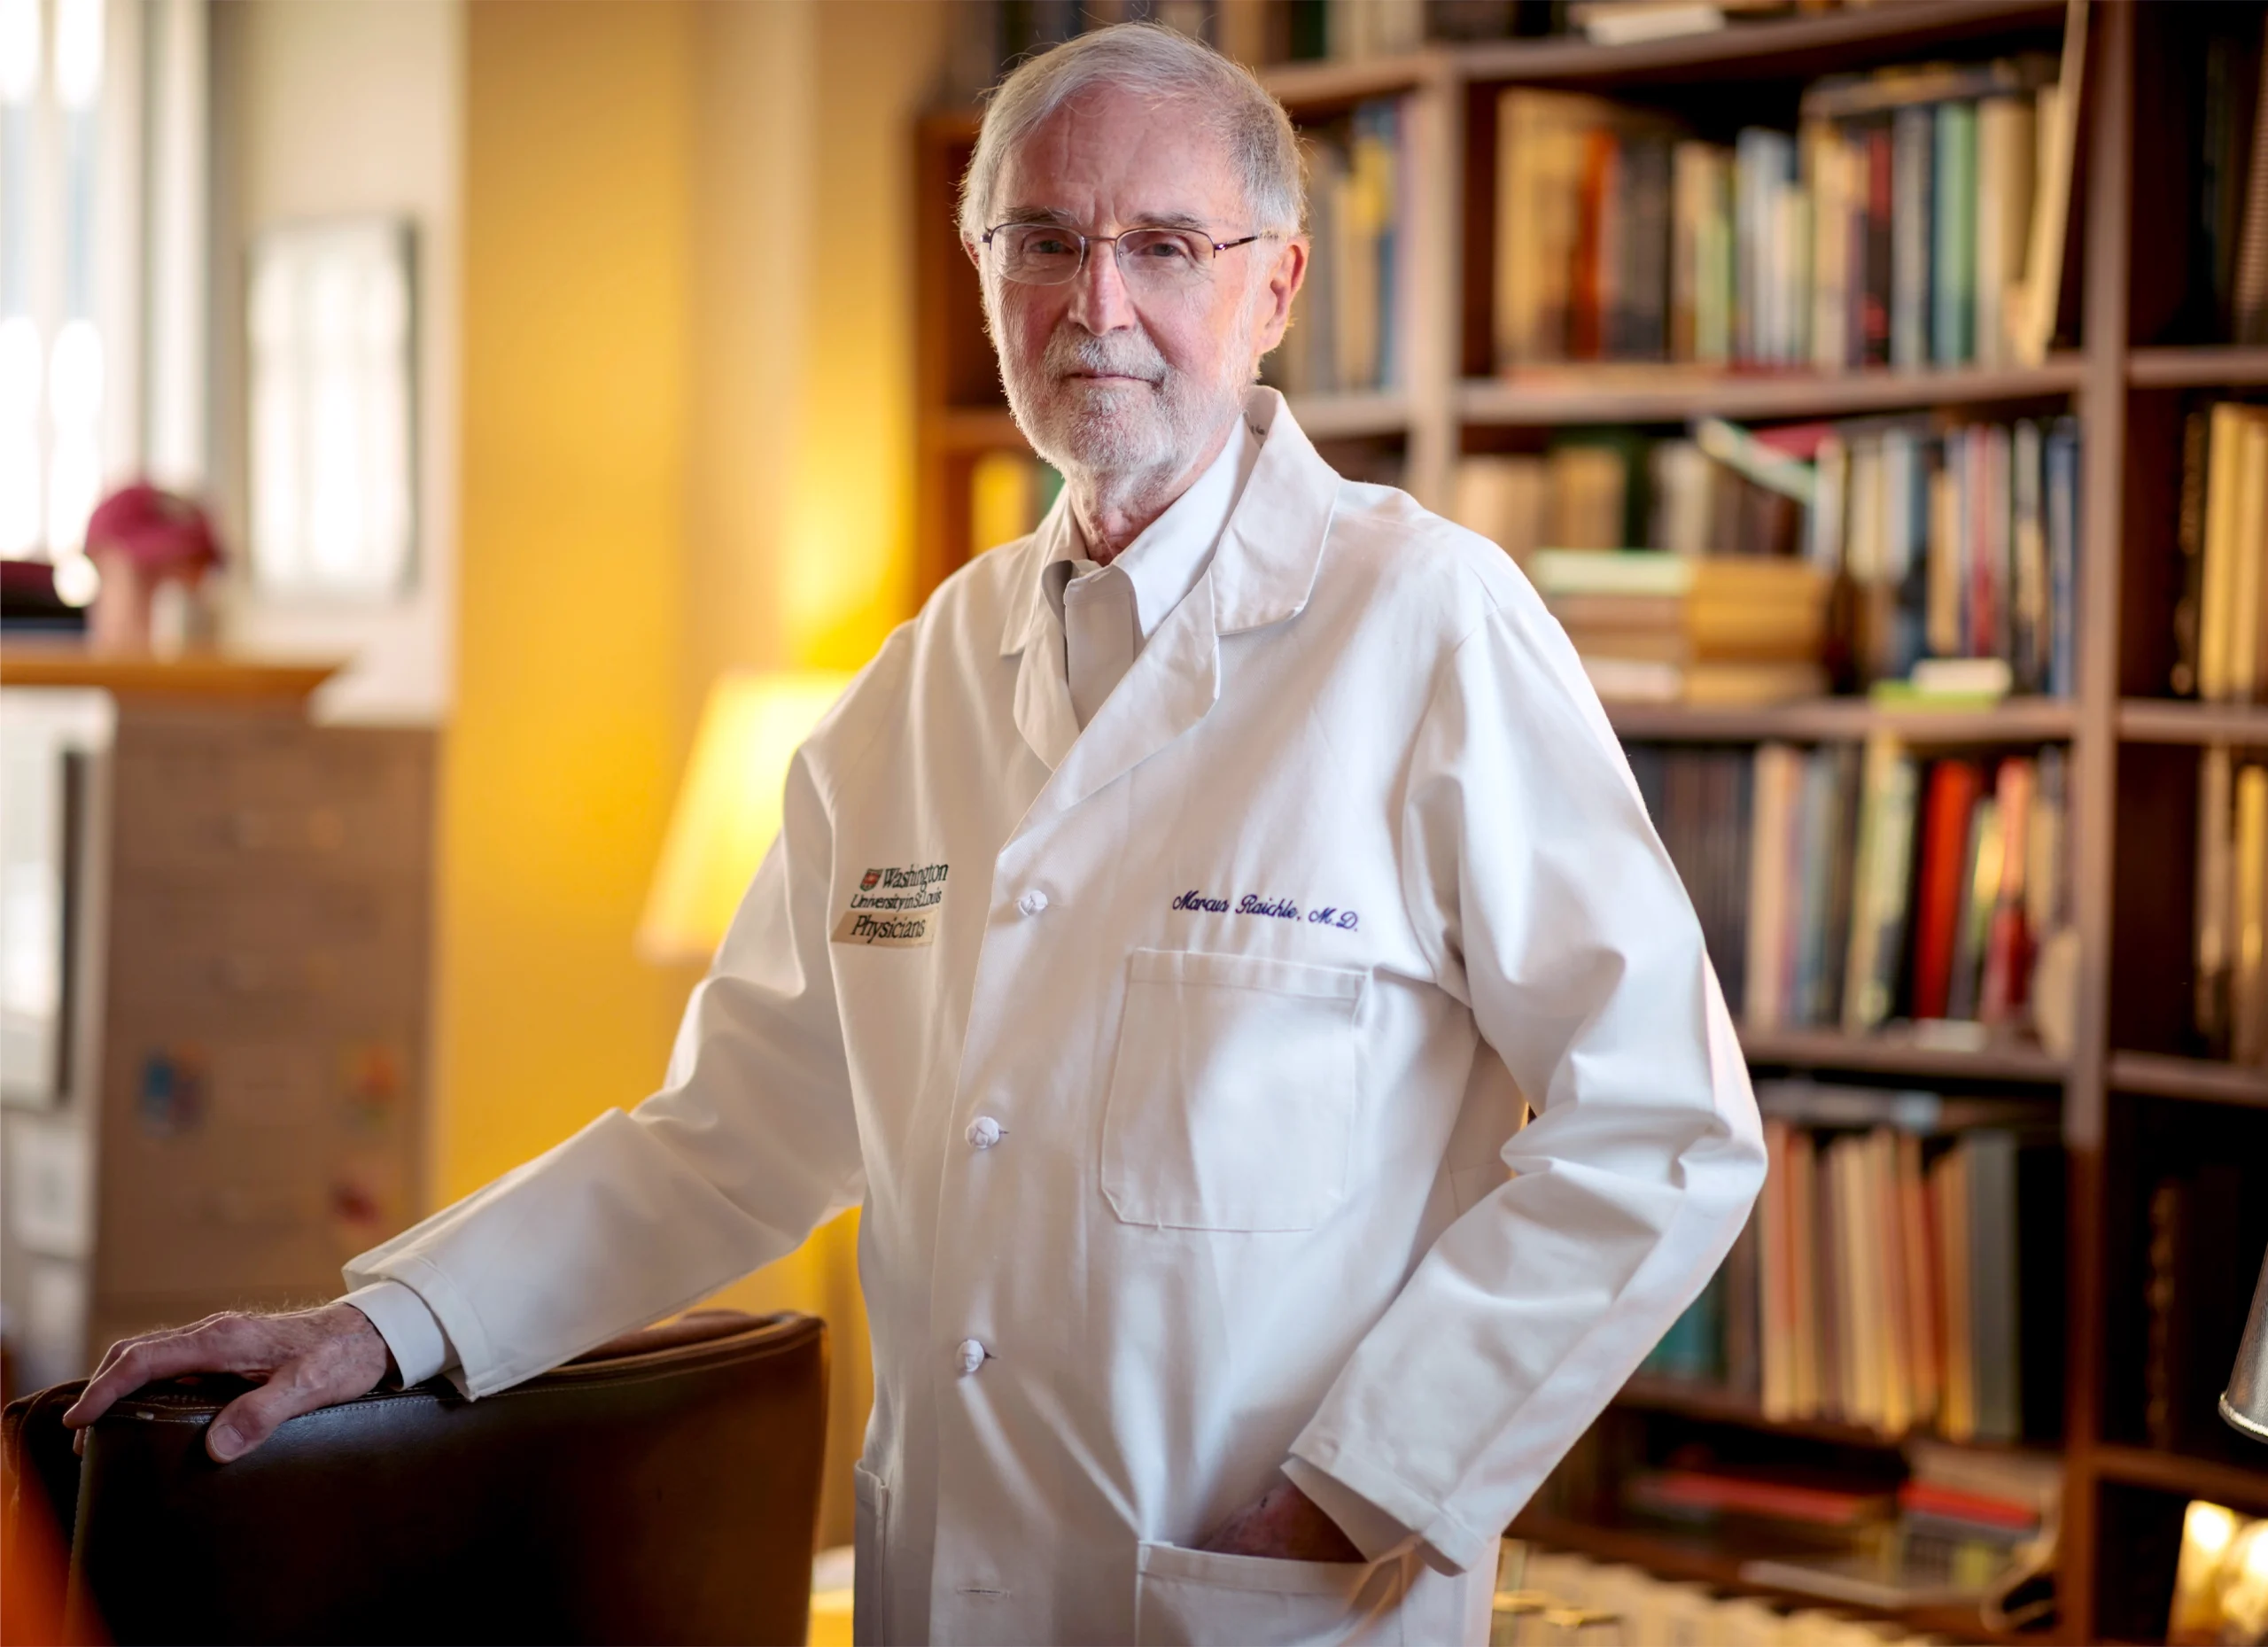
(2245, 1403)
(728, 806)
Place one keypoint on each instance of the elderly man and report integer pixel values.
(1168, 934)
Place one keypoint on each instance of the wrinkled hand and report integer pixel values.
(1283, 1523)
(307, 1359)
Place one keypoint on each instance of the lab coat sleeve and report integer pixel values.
(1531, 870)
(748, 1147)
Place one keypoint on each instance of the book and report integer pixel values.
(2036, 304)
(2249, 921)
(1879, 898)
(1912, 218)
(2215, 883)
(1953, 235)
(2248, 282)
(1947, 873)
(2228, 622)
(1777, 776)
(2007, 147)
(2008, 938)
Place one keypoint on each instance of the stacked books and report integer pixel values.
(1837, 888)
(1349, 328)
(1898, 1272)
(2220, 649)
(1008, 491)
(1970, 1527)
(1652, 626)
(1899, 225)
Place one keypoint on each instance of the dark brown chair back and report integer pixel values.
(663, 1488)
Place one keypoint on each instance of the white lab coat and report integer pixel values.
(1178, 1065)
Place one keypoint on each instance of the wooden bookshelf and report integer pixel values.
(1711, 1405)
(1700, 1560)
(2199, 1079)
(1671, 394)
(2017, 720)
(2124, 369)
(1903, 1050)
(2214, 366)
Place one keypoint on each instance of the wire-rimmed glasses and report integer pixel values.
(1149, 259)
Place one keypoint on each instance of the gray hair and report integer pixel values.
(1154, 62)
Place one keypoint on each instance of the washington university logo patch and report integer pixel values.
(894, 908)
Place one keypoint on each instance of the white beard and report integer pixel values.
(1121, 439)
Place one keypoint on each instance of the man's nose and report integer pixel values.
(1100, 301)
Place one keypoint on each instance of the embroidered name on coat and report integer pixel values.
(1197, 902)
(894, 908)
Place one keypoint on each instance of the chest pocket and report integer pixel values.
(1231, 1102)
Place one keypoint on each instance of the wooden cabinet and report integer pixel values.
(233, 1097)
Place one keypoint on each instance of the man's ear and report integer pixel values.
(975, 252)
(1285, 276)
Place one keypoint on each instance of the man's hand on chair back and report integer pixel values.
(307, 1359)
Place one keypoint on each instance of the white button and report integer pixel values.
(1032, 902)
(984, 1132)
(972, 1356)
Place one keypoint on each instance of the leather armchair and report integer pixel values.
(663, 1488)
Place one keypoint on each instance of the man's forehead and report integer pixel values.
(1142, 160)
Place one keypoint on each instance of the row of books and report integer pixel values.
(1958, 539)
(1843, 887)
(1901, 1270)
(2220, 621)
(1897, 227)
(2225, 102)
(2231, 1014)
(1609, 488)
(1349, 325)
(1954, 539)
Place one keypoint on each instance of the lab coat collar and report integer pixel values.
(1265, 565)
(1261, 573)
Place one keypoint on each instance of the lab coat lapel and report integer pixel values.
(1261, 574)
(1172, 684)
(1043, 703)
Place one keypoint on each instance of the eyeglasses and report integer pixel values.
(1158, 259)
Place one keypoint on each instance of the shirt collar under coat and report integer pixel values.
(1262, 572)
(1265, 564)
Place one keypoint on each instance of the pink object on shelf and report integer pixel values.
(140, 538)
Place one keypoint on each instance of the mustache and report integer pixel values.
(1118, 353)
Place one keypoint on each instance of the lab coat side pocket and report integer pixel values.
(870, 1577)
(1203, 1599)
(1232, 1097)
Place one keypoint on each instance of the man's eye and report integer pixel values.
(1049, 245)
(1163, 249)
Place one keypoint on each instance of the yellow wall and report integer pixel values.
(687, 434)
(576, 205)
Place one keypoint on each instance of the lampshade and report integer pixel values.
(728, 806)
(2245, 1403)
